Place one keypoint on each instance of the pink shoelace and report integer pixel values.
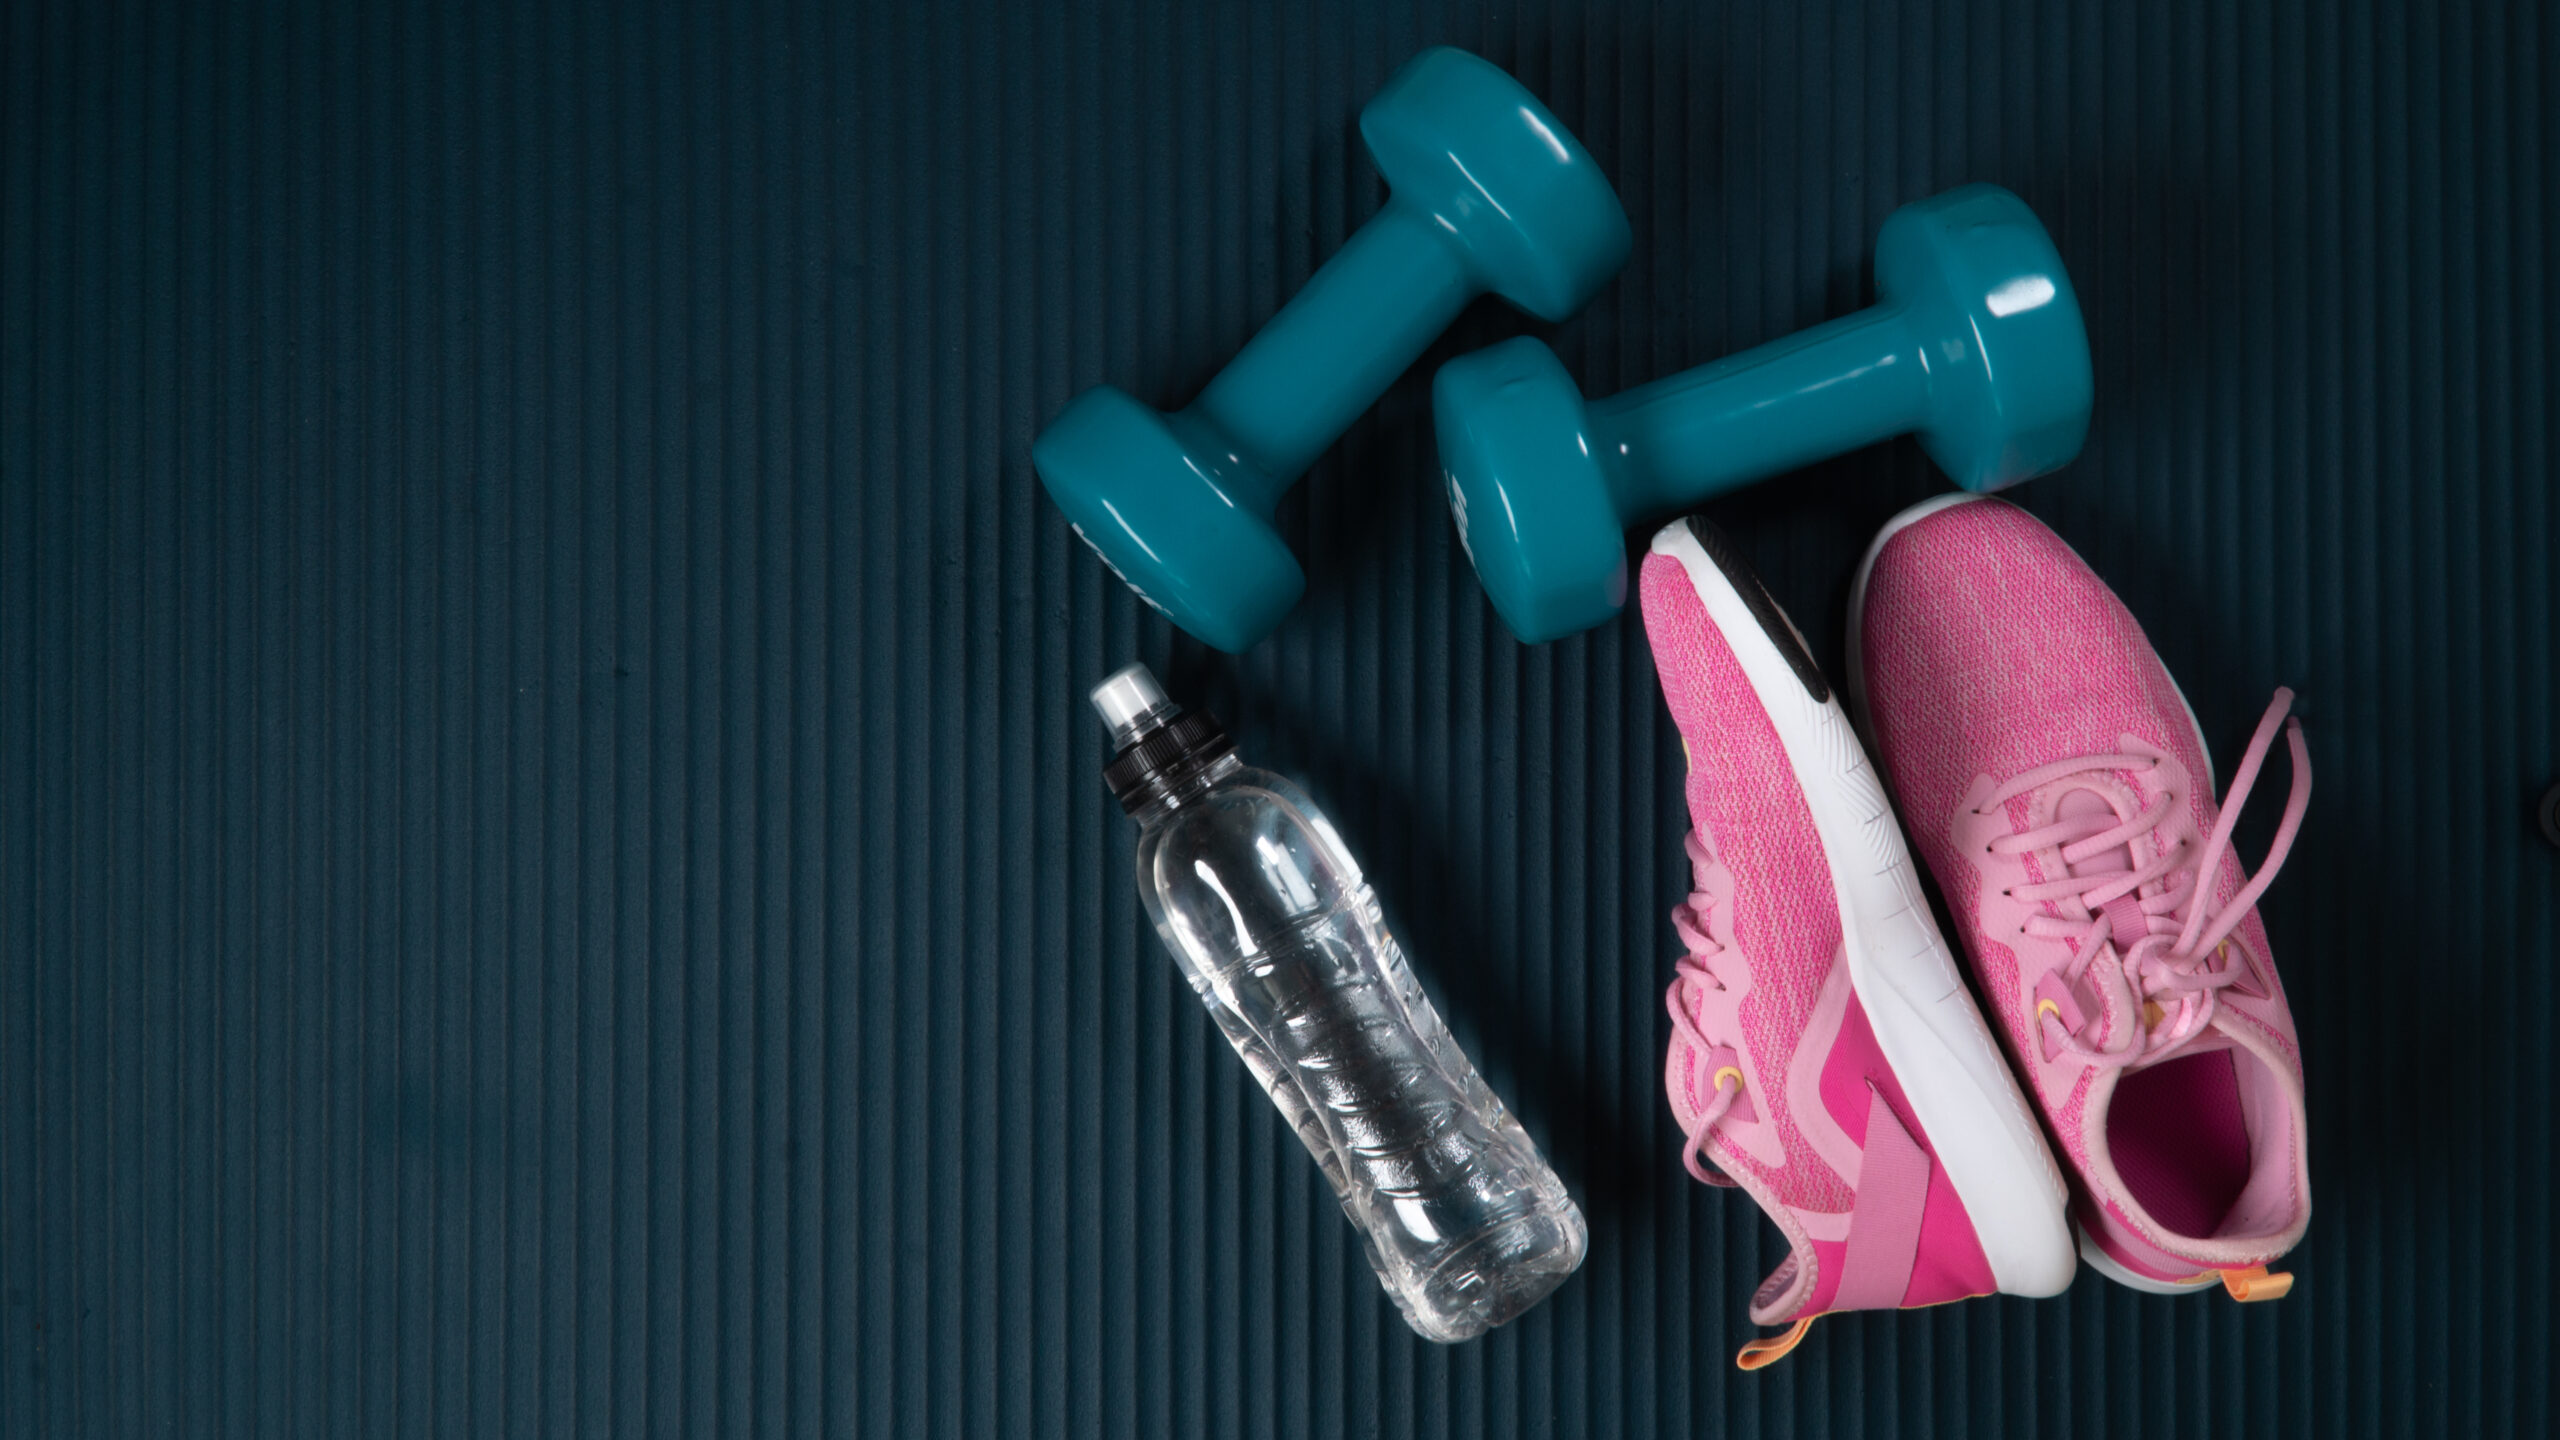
(2176, 946)
(1696, 976)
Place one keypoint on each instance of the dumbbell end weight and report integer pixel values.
(1532, 500)
(1461, 142)
(1980, 284)
(1194, 542)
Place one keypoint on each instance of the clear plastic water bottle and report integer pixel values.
(1258, 898)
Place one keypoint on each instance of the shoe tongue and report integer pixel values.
(2125, 920)
(2080, 804)
(2125, 911)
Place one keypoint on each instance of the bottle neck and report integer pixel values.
(1183, 787)
(1170, 763)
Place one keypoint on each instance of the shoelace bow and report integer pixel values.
(1694, 976)
(2181, 932)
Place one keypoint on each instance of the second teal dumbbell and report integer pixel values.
(1489, 194)
(1975, 343)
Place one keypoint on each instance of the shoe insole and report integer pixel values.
(2180, 1142)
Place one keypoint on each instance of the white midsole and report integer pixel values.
(1906, 980)
(2108, 1265)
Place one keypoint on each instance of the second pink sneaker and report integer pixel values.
(2059, 787)
(1825, 1055)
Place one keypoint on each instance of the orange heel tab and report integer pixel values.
(1770, 1349)
(2257, 1283)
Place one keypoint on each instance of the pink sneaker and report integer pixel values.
(2059, 786)
(1825, 1056)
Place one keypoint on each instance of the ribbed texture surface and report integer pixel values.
(553, 873)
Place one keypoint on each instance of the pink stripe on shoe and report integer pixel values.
(1884, 1239)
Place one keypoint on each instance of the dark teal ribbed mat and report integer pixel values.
(552, 874)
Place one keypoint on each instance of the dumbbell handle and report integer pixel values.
(1821, 392)
(1298, 383)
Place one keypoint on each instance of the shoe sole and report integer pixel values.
(2114, 1269)
(1924, 1019)
(2090, 1253)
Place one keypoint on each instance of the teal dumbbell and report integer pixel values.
(1975, 343)
(1489, 193)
